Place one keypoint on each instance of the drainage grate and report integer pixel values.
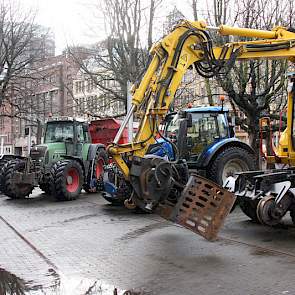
(202, 207)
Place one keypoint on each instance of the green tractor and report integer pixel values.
(65, 163)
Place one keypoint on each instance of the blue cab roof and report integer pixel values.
(206, 109)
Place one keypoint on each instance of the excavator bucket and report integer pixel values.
(202, 207)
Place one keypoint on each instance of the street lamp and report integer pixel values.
(3, 75)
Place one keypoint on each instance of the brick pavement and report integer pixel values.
(74, 244)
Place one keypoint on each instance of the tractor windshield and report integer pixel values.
(206, 129)
(59, 132)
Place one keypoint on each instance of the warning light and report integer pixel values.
(189, 105)
(222, 98)
(50, 115)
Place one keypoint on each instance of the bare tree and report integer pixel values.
(17, 30)
(254, 87)
(152, 10)
(123, 55)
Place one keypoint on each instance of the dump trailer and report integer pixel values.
(103, 131)
(166, 186)
(66, 162)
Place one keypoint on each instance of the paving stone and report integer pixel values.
(48, 243)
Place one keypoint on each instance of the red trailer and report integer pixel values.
(104, 131)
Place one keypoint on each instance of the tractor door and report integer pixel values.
(207, 129)
(81, 139)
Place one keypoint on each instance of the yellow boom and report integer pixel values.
(189, 44)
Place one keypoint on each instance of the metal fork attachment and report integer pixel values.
(202, 207)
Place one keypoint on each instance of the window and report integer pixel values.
(206, 129)
(80, 133)
(59, 132)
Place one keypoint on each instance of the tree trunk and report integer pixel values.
(209, 92)
(39, 132)
(151, 20)
(195, 10)
(253, 132)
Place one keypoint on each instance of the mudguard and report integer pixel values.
(92, 150)
(163, 149)
(215, 148)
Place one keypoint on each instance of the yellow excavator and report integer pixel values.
(167, 186)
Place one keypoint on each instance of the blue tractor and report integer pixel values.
(204, 138)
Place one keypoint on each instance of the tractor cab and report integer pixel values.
(195, 130)
(71, 133)
(63, 136)
(65, 163)
(204, 137)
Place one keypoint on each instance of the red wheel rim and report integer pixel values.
(72, 180)
(99, 168)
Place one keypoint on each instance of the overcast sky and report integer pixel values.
(71, 19)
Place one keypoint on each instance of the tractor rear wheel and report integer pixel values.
(67, 180)
(96, 169)
(229, 162)
(10, 188)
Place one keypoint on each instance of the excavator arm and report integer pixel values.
(188, 45)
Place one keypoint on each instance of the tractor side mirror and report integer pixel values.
(189, 142)
(187, 116)
(189, 119)
(85, 128)
(231, 125)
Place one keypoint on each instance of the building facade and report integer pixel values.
(47, 91)
(90, 101)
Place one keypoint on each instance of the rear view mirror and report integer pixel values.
(189, 120)
(85, 128)
(189, 142)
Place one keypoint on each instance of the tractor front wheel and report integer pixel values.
(10, 188)
(3, 162)
(66, 180)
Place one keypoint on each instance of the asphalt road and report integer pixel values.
(89, 247)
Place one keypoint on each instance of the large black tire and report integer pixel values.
(45, 187)
(229, 161)
(292, 215)
(11, 189)
(45, 183)
(66, 180)
(101, 159)
(249, 207)
(3, 162)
